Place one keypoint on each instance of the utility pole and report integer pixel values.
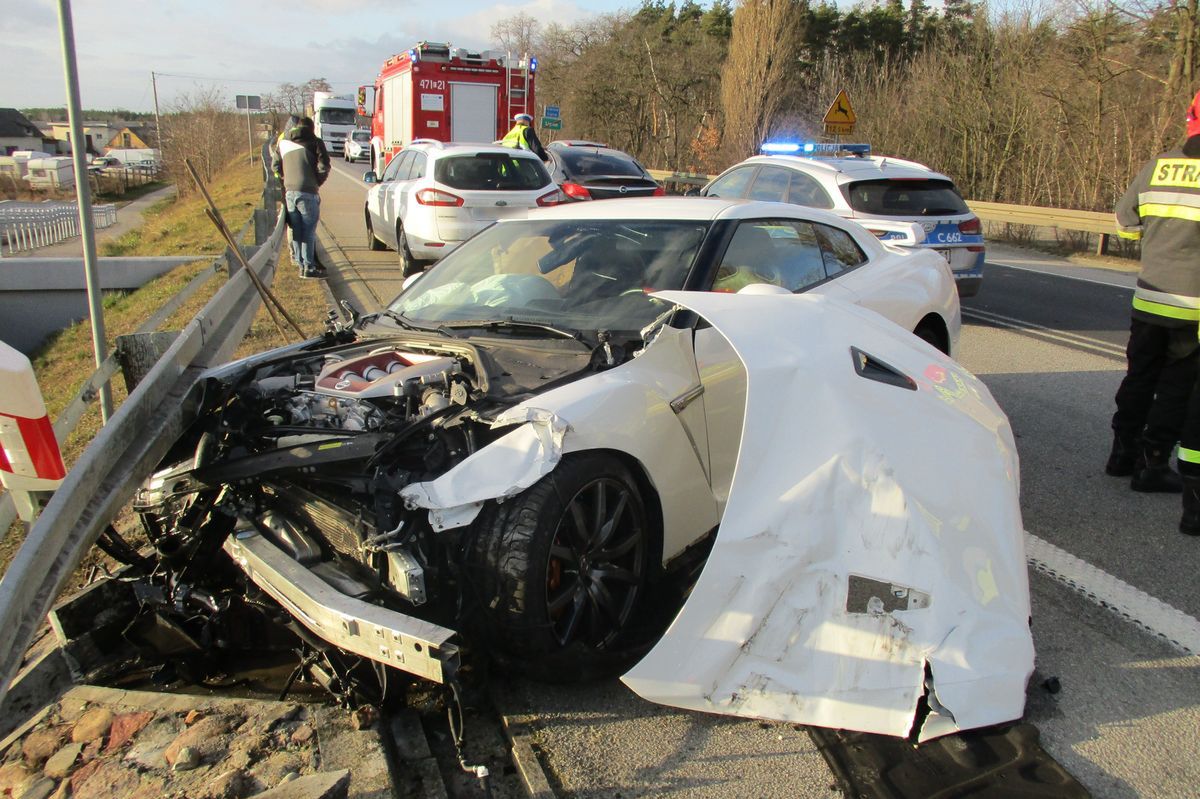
(83, 191)
(157, 119)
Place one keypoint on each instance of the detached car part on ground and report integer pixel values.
(526, 488)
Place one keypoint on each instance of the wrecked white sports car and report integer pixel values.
(543, 440)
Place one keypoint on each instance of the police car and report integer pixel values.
(847, 180)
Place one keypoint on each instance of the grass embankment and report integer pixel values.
(179, 227)
(65, 361)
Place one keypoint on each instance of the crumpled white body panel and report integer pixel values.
(841, 478)
(503, 469)
(626, 409)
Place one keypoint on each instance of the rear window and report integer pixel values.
(498, 171)
(361, 135)
(585, 164)
(904, 197)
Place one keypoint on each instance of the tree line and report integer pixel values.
(1054, 105)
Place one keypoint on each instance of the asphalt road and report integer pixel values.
(1047, 338)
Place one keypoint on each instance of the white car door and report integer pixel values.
(782, 252)
(396, 173)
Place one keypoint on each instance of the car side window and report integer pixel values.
(771, 184)
(405, 170)
(805, 190)
(393, 168)
(779, 252)
(419, 164)
(839, 251)
(732, 185)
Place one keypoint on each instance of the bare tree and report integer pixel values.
(762, 59)
(200, 126)
(517, 34)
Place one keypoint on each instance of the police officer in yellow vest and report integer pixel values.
(1161, 208)
(523, 137)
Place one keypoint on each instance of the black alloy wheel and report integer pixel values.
(560, 573)
(597, 564)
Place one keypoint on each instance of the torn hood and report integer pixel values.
(871, 551)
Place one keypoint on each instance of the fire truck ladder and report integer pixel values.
(518, 86)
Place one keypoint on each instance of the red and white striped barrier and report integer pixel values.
(29, 456)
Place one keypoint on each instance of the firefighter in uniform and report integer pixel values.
(1161, 208)
(524, 137)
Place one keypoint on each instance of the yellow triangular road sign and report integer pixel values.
(841, 111)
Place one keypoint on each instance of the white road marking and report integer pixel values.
(1048, 333)
(350, 176)
(1052, 271)
(1132, 604)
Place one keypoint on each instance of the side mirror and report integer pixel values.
(370, 177)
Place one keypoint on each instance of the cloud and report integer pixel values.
(245, 47)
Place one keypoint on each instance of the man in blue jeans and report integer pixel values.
(302, 164)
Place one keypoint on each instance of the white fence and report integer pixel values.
(27, 226)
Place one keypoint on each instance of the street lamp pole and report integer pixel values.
(83, 192)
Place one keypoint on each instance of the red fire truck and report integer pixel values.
(434, 91)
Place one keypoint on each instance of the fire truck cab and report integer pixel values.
(434, 91)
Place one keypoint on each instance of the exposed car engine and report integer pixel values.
(310, 451)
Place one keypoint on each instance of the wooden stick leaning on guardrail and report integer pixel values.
(259, 286)
(268, 296)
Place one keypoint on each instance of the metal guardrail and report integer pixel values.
(1098, 222)
(125, 450)
(27, 226)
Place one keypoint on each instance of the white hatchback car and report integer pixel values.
(847, 180)
(433, 196)
(358, 146)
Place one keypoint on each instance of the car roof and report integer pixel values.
(589, 148)
(442, 149)
(685, 208)
(844, 170)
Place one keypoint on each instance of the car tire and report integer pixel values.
(928, 333)
(373, 242)
(560, 572)
(408, 264)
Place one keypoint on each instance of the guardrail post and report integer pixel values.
(231, 262)
(264, 223)
(1102, 245)
(138, 352)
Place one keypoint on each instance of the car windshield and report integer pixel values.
(904, 197)
(361, 135)
(336, 116)
(491, 171)
(589, 163)
(584, 274)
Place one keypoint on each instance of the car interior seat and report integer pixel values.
(751, 258)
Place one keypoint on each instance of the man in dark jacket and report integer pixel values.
(302, 164)
(1161, 208)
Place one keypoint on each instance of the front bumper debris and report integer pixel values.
(385, 636)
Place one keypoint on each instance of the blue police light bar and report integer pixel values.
(813, 148)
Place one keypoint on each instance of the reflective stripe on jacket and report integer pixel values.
(1162, 209)
(516, 138)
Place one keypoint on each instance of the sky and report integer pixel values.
(241, 46)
